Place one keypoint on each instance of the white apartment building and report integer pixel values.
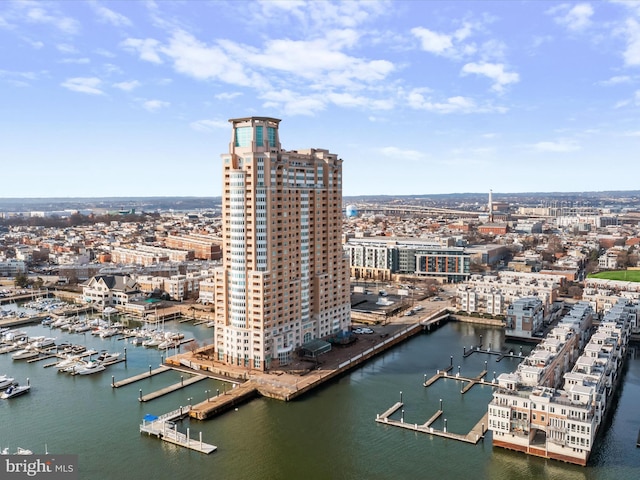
(494, 293)
(553, 405)
(285, 277)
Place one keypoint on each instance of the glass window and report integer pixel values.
(271, 131)
(243, 136)
(259, 138)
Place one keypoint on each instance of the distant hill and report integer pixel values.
(149, 204)
(140, 204)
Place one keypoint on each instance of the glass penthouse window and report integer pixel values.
(243, 136)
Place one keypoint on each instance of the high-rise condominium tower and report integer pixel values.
(284, 279)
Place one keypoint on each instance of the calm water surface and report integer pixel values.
(329, 434)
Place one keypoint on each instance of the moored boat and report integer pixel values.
(88, 368)
(5, 381)
(15, 390)
(25, 354)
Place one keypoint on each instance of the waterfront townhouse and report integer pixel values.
(109, 290)
(524, 317)
(556, 410)
(494, 293)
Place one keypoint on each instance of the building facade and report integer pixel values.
(524, 317)
(379, 258)
(555, 402)
(285, 277)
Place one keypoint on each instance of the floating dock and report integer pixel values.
(474, 435)
(139, 377)
(171, 388)
(163, 428)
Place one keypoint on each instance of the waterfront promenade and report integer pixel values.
(302, 376)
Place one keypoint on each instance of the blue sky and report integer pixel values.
(115, 98)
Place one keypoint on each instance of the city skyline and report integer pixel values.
(133, 99)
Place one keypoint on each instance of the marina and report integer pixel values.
(347, 404)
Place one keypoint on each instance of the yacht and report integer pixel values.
(88, 368)
(43, 342)
(25, 354)
(5, 382)
(107, 358)
(168, 344)
(15, 390)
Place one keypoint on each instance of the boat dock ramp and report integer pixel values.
(164, 428)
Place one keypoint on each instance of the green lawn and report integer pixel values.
(624, 275)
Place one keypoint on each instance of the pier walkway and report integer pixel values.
(164, 428)
(139, 377)
(473, 436)
(225, 401)
(171, 388)
(471, 381)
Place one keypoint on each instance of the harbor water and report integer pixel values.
(330, 433)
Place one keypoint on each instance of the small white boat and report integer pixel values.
(43, 342)
(19, 451)
(5, 382)
(107, 358)
(168, 344)
(108, 332)
(25, 354)
(15, 390)
(89, 368)
(153, 341)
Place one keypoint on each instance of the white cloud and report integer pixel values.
(399, 154)
(90, 85)
(209, 125)
(104, 53)
(452, 45)
(147, 48)
(433, 42)
(196, 59)
(632, 134)
(227, 95)
(560, 146)
(293, 103)
(110, 69)
(320, 60)
(107, 15)
(457, 104)
(575, 18)
(127, 86)
(617, 80)
(66, 48)
(314, 16)
(154, 105)
(495, 71)
(65, 24)
(79, 61)
(632, 53)
(349, 100)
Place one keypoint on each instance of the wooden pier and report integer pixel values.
(473, 436)
(471, 381)
(224, 401)
(139, 377)
(162, 428)
(171, 388)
